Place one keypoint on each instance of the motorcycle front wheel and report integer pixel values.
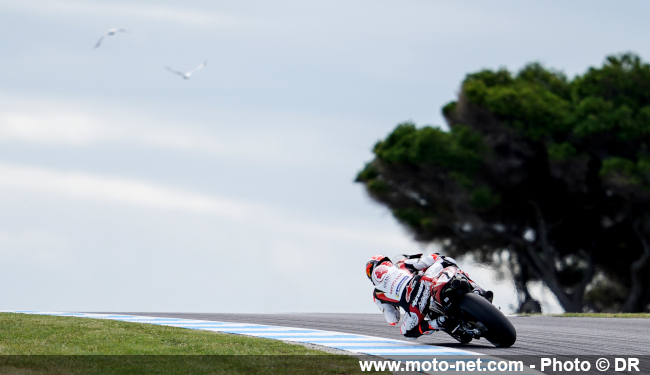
(480, 313)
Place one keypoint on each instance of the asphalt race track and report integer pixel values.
(537, 335)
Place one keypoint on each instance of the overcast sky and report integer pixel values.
(124, 187)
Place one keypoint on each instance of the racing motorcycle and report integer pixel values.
(471, 315)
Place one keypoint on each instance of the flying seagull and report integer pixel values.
(188, 74)
(109, 33)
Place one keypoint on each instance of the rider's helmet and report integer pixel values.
(374, 262)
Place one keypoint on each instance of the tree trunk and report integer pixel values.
(548, 275)
(545, 267)
(527, 304)
(639, 286)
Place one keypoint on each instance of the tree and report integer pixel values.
(546, 176)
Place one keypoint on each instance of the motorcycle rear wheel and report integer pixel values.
(496, 328)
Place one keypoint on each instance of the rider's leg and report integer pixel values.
(409, 327)
(391, 313)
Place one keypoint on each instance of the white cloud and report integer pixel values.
(80, 129)
(55, 128)
(111, 189)
(30, 239)
(34, 246)
(41, 124)
(263, 137)
(164, 13)
(105, 189)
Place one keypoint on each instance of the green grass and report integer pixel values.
(41, 344)
(595, 315)
(53, 335)
(604, 315)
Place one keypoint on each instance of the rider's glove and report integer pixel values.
(409, 264)
(447, 261)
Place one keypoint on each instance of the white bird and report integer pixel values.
(188, 74)
(109, 33)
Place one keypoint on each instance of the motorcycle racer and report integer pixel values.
(409, 285)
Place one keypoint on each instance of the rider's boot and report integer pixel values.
(438, 323)
(428, 327)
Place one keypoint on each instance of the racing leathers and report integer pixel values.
(409, 286)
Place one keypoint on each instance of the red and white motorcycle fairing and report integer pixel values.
(394, 280)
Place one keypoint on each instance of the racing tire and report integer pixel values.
(495, 327)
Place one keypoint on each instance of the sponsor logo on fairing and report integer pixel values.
(409, 290)
(392, 286)
(417, 296)
(425, 295)
(443, 278)
(401, 282)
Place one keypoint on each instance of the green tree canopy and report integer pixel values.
(547, 176)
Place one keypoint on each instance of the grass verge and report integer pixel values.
(595, 315)
(604, 315)
(41, 344)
